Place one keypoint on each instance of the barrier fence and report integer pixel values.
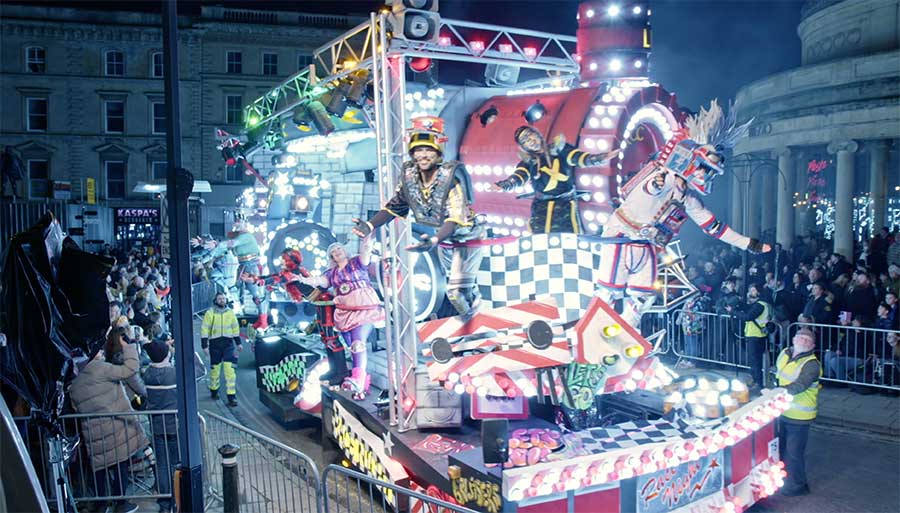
(102, 468)
(202, 295)
(272, 476)
(348, 491)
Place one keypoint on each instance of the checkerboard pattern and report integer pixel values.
(558, 264)
(632, 434)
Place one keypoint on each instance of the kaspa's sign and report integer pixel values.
(366, 450)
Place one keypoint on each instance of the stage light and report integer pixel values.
(638, 64)
(530, 51)
(356, 93)
(613, 11)
(488, 116)
(319, 117)
(420, 64)
(593, 66)
(636, 10)
(349, 64)
(444, 41)
(535, 112)
(505, 48)
(615, 64)
(477, 46)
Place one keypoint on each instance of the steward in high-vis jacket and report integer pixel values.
(220, 337)
(798, 370)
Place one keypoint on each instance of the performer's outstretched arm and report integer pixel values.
(395, 207)
(579, 158)
(365, 250)
(519, 177)
(719, 230)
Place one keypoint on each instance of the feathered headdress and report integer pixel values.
(712, 126)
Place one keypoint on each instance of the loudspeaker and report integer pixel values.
(495, 440)
(499, 75)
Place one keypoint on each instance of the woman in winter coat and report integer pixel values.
(110, 440)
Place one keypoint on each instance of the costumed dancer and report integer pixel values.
(244, 246)
(551, 169)
(659, 200)
(356, 307)
(438, 194)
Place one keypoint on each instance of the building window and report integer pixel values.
(158, 117)
(270, 64)
(233, 62)
(303, 61)
(156, 65)
(115, 179)
(35, 59)
(38, 178)
(234, 109)
(234, 174)
(36, 120)
(114, 116)
(115, 63)
(158, 170)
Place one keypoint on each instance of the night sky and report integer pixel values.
(702, 49)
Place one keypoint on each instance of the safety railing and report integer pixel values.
(855, 355)
(654, 322)
(272, 476)
(707, 337)
(348, 491)
(202, 295)
(121, 456)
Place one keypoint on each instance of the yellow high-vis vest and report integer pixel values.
(805, 403)
(757, 327)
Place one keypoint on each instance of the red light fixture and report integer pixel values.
(444, 41)
(505, 47)
(477, 46)
(530, 51)
(420, 64)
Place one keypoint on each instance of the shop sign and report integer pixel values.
(674, 487)
(149, 215)
(91, 191)
(477, 493)
(62, 190)
(366, 450)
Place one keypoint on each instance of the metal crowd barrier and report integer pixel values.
(272, 476)
(138, 476)
(857, 356)
(202, 295)
(719, 341)
(348, 491)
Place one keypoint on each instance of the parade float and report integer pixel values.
(546, 399)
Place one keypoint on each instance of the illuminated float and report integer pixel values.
(517, 409)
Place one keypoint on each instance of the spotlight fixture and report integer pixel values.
(319, 117)
(420, 64)
(613, 10)
(489, 116)
(356, 93)
(535, 112)
(334, 102)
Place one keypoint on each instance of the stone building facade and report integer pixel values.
(827, 130)
(82, 94)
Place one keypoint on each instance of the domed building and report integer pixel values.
(823, 142)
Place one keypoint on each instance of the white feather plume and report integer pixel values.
(711, 126)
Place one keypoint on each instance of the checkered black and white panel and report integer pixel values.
(630, 434)
(561, 265)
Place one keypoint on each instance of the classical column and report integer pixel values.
(878, 158)
(753, 197)
(803, 217)
(843, 196)
(767, 181)
(784, 231)
(737, 220)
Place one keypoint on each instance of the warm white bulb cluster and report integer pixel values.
(334, 145)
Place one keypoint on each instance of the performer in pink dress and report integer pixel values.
(357, 307)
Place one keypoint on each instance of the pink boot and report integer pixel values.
(262, 322)
(358, 383)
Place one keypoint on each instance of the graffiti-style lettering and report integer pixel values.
(484, 494)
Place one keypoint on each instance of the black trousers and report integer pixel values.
(555, 216)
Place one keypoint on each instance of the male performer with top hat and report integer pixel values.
(551, 171)
(438, 194)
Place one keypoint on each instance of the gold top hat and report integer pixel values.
(427, 132)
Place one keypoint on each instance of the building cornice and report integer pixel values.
(86, 31)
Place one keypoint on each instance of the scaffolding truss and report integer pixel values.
(369, 46)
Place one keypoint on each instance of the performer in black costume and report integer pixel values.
(551, 170)
(438, 194)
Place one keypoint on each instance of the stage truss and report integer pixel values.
(368, 46)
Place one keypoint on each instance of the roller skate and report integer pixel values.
(357, 383)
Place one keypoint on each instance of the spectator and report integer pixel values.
(891, 300)
(861, 300)
(894, 278)
(798, 371)
(819, 307)
(755, 316)
(693, 325)
(161, 382)
(110, 440)
(141, 312)
(845, 361)
(795, 296)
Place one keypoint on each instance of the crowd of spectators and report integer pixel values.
(135, 370)
(807, 283)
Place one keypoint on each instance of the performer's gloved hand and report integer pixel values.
(599, 158)
(362, 228)
(504, 185)
(427, 242)
(757, 247)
